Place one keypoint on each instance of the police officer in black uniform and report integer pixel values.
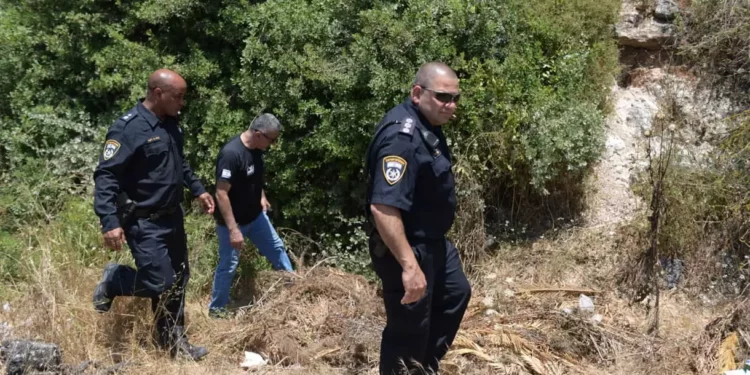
(139, 185)
(411, 203)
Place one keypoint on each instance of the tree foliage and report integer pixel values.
(534, 73)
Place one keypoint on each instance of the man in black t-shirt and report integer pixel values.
(242, 206)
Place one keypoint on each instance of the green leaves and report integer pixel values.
(534, 74)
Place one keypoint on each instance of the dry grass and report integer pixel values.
(324, 321)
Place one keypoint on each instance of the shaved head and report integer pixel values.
(429, 71)
(166, 80)
(435, 92)
(166, 90)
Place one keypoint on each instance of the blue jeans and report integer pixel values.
(264, 237)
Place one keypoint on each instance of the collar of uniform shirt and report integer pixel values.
(151, 117)
(414, 110)
(147, 114)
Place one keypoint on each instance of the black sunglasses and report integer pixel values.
(270, 140)
(445, 97)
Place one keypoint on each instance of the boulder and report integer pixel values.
(24, 356)
(666, 10)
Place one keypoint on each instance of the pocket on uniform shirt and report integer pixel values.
(155, 149)
(440, 165)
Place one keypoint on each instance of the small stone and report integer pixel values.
(509, 293)
(488, 301)
(597, 318)
(490, 312)
(491, 276)
(509, 280)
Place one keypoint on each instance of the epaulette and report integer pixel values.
(129, 117)
(407, 126)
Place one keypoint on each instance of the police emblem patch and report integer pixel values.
(250, 170)
(393, 169)
(110, 149)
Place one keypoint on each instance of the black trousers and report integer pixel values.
(419, 334)
(159, 248)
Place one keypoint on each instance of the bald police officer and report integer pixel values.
(143, 162)
(412, 202)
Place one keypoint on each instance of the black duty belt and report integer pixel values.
(146, 213)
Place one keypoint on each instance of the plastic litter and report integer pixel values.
(585, 303)
(253, 360)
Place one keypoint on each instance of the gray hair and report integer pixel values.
(265, 123)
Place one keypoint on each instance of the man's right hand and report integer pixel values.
(236, 239)
(414, 284)
(114, 239)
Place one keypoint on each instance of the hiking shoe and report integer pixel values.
(219, 314)
(102, 301)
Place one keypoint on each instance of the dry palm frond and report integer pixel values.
(534, 364)
(461, 341)
(510, 369)
(508, 339)
(554, 368)
(727, 351)
(477, 353)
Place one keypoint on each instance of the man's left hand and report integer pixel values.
(265, 204)
(207, 202)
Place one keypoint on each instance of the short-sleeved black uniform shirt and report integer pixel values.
(408, 174)
(243, 168)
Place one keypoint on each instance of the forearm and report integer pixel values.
(222, 199)
(391, 229)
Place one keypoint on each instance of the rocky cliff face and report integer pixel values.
(651, 77)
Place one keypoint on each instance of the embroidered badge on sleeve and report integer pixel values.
(393, 169)
(110, 149)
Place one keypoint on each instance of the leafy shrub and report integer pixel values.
(32, 194)
(535, 75)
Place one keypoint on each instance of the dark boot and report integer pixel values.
(176, 343)
(102, 300)
(182, 348)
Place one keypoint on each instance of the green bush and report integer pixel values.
(535, 76)
(32, 194)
